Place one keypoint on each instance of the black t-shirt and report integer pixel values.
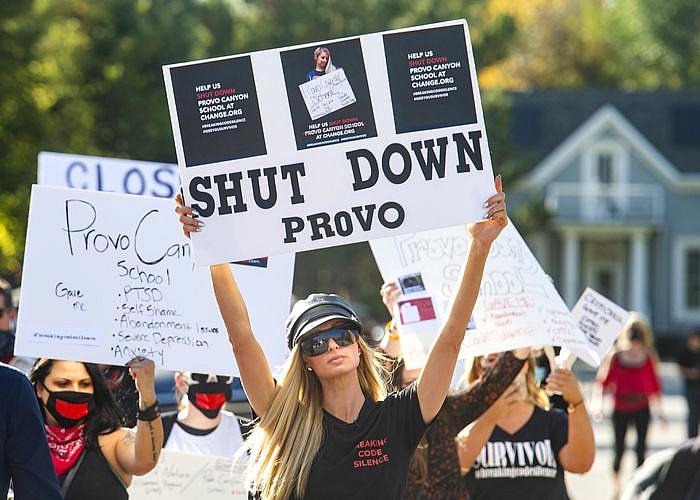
(690, 359)
(523, 465)
(368, 458)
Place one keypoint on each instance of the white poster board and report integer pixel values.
(267, 291)
(409, 154)
(601, 321)
(108, 277)
(518, 305)
(184, 476)
(327, 93)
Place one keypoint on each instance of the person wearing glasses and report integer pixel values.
(327, 427)
(202, 426)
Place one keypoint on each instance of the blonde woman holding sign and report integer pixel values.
(327, 427)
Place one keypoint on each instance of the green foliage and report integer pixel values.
(85, 76)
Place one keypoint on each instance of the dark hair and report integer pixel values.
(107, 416)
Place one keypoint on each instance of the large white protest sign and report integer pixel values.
(601, 321)
(266, 288)
(147, 178)
(108, 277)
(183, 476)
(327, 93)
(518, 305)
(410, 153)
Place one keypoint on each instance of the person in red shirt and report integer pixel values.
(632, 379)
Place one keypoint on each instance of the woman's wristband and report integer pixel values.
(391, 329)
(150, 413)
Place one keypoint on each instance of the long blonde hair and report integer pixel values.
(535, 394)
(286, 440)
(639, 323)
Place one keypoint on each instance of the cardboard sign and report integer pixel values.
(184, 476)
(518, 305)
(601, 321)
(396, 146)
(438, 255)
(108, 277)
(328, 93)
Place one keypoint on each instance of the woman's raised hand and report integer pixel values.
(495, 217)
(188, 217)
(390, 294)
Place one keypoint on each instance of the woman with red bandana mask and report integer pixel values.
(202, 426)
(93, 455)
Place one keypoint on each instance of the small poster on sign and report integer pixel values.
(327, 93)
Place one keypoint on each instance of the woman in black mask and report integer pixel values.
(93, 455)
(202, 426)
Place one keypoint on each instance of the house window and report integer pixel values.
(692, 279)
(604, 168)
(686, 263)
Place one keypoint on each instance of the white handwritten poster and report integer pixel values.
(518, 305)
(183, 476)
(108, 277)
(601, 321)
(328, 93)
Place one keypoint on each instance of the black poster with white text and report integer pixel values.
(328, 94)
(429, 79)
(218, 111)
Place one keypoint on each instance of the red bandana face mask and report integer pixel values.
(69, 408)
(209, 398)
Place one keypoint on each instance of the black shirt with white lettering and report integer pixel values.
(368, 458)
(525, 464)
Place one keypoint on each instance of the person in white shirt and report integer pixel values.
(202, 426)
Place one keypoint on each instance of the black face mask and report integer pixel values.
(69, 408)
(209, 398)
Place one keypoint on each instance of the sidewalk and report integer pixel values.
(597, 484)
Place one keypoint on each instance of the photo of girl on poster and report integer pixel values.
(328, 94)
(322, 64)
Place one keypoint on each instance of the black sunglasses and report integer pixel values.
(203, 378)
(317, 344)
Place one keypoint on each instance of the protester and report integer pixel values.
(93, 455)
(202, 426)
(689, 362)
(668, 475)
(630, 375)
(435, 471)
(24, 453)
(327, 426)
(519, 448)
